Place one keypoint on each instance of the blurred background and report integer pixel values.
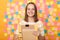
(12, 11)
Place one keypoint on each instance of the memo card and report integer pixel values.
(27, 32)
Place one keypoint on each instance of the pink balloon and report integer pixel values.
(46, 37)
(12, 10)
(17, 3)
(46, 10)
(6, 25)
(5, 30)
(58, 24)
(10, 26)
(12, 14)
(55, 0)
(58, 27)
(54, 14)
(53, 5)
(58, 14)
(21, 8)
(45, 7)
(47, 27)
(45, 23)
(15, 25)
(38, 4)
(51, 33)
(41, 19)
(52, 37)
(25, 1)
(9, 38)
(45, 16)
(55, 23)
(9, 32)
(5, 13)
(57, 38)
(44, 1)
(8, 19)
(37, 1)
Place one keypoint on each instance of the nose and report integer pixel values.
(31, 11)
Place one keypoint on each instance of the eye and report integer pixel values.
(33, 9)
(28, 8)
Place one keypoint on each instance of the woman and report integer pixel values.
(31, 17)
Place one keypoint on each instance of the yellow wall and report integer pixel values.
(54, 13)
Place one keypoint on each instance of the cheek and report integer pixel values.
(28, 11)
(33, 12)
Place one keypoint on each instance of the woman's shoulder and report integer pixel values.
(22, 22)
(39, 22)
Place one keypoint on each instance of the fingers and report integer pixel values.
(15, 37)
(36, 33)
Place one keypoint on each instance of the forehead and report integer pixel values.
(30, 6)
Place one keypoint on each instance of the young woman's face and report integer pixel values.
(30, 10)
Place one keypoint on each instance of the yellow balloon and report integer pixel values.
(11, 35)
(16, 21)
(58, 6)
(52, 28)
(15, 16)
(8, 29)
(47, 3)
(8, 12)
(41, 1)
(19, 12)
(18, 16)
(12, 26)
(20, 3)
(51, 2)
(4, 20)
(40, 15)
(16, 7)
(55, 32)
(48, 24)
(51, 12)
(33, 1)
(55, 9)
(53, 19)
(28, 1)
(9, 16)
(8, 9)
(5, 34)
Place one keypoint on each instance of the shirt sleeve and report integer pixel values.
(41, 28)
(17, 30)
(19, 27)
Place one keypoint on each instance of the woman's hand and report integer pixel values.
(41, 37)
(35, 33)
(15, 37)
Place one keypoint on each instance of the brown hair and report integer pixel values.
(35, 16)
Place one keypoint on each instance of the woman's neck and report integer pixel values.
(30, 19)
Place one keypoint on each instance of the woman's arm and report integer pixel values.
(15, 37)
(41, 31)
(41, 37)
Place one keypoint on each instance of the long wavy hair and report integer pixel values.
(35, 15)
